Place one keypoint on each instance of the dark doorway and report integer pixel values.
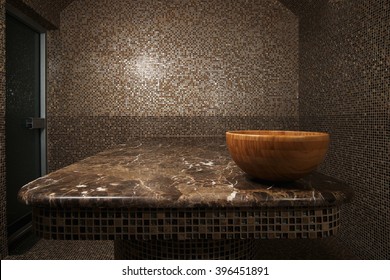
(24, 125)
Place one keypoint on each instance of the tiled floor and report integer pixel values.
(32, 248)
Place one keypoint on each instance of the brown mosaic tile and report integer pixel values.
(193, 58)
(186, 223)
(33, 248)
(344, 90)
(74, 138)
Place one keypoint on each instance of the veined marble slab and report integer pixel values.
(174, 172)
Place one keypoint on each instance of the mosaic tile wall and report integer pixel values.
(122, 69)
(344, 89)
(74, 138)
(179, 58)
(3, 218)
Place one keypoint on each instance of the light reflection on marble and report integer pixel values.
(174, 172)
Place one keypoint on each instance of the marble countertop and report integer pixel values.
(174, 172)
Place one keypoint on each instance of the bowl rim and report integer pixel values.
(277, 134)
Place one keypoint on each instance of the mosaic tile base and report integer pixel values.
(185, 224)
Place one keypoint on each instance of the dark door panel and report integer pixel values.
(22, 102)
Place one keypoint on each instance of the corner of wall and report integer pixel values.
(46, 16)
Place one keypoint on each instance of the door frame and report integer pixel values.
(42, 31)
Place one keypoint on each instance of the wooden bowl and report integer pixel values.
(277, 155)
